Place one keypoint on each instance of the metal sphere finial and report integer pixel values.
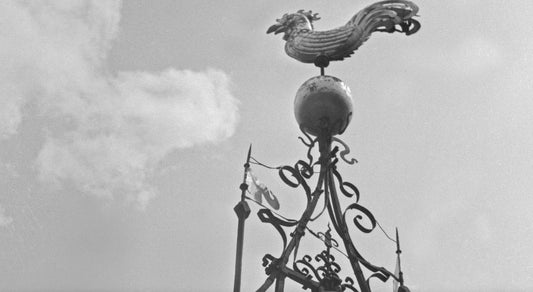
(323, 103)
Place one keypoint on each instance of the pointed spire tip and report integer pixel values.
(248, 156)
(397, 242)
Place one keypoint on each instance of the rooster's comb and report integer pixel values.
(309, 14)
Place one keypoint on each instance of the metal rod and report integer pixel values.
(242, 211)
(280, 283)
(325, 148)
(297, 235)
(348, 244)
(238, 260)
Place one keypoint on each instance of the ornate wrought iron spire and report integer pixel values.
(323, 108)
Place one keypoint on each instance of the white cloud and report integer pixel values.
(114, 127)
(4, 219)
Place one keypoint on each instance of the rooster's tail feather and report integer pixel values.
(385, 16)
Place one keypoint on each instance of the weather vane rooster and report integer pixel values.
(319, 47)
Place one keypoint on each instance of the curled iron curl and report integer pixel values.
(329, 263)
(359, 217)
(310, 144)
(349, 284)
(383, 278)
(266, 216)
(379, 272)
(345, 151)
(299, 173)
(307, 268)
(348, 189)
(269, 262)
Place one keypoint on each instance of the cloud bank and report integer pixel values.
(105, 131)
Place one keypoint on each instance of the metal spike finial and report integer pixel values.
(243, 211)
(398, 250)
(400, 273)
(249, 155)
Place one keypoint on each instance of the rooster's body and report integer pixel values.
(305, 45)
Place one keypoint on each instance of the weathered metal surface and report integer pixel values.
(320, 99)
(305, 44)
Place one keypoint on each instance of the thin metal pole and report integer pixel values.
(398, 252)
(280, 283)
(299, 231)
(242, 210)
(296, 236)
(348, 244)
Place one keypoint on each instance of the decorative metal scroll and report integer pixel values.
(327, 269)
(299, 175)
(348, 189)
(357, 219)
(310, 144)
(345, 151)
(294, 176)
(270, 263)
(266, 216)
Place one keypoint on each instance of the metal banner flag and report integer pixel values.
(259, 190)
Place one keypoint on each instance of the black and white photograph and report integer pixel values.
(268, 145)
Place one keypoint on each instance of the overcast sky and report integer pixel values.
(124, 127)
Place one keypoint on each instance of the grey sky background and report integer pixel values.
(124, 127)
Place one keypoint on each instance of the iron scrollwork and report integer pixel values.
(326, 274)
(345, 151)
(358, 218)
(266, 216)
(348, 189)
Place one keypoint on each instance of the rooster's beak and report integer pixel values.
(276, 28)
